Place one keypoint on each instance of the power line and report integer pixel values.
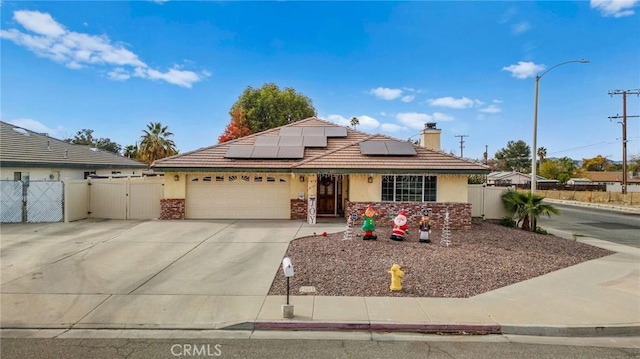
(624, 131)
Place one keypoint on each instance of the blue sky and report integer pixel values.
(469, 66)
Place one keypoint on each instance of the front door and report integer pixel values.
(327, 196)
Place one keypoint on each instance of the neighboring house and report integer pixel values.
(611, 178)
(513, 178)
(314, 168)
(27, 155)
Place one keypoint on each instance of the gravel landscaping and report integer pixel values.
(487, 257)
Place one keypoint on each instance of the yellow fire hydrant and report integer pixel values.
(396, 277)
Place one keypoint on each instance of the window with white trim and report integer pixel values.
(409, 188)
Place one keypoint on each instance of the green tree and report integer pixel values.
(477, 179)
(354, 122)
(549, 169)
(85, 137)
(156, 143)
(269, 106)
(527, 208)
(597, 163)
(131, 151)
(567, 169)
(516, 156)
(634, 164)
(542, 154)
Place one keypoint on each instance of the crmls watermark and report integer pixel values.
(196, 350)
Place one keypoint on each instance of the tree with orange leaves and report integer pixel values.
(238, 127)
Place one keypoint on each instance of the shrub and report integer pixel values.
(539, 230)
(507, 222)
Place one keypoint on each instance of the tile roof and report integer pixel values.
(598, 176)
(25, 148)
(340, 155)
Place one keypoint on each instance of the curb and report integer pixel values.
(618, 208)
(457, 329)
(465, 329)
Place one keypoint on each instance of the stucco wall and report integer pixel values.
(453, 188)
(175, 189)
(297, 187)
(360, 190)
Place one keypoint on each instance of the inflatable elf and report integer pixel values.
(369, 225)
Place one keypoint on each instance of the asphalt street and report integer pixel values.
(605, 224)
(299, 349)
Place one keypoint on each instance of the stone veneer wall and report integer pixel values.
(172, 208)
(298, 209)
(459, 213)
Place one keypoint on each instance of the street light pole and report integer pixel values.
(534, 149)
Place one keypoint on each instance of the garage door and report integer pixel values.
(238, 197)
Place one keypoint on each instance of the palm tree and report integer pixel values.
(354, 122)
(131, 151)
(526, 206)
(542, 154)
(156, 143)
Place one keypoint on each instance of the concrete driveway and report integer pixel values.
(141, 274)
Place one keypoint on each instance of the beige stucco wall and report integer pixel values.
(298, 187)
(175, 189)
(360, 190)
(453, 188)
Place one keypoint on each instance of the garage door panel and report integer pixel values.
(238, 199)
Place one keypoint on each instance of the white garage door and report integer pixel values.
(238, 197)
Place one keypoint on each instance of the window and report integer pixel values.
(409, 188)
(17, 176)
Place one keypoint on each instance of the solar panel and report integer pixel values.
(290, 141)
(239, 152)
(335, 132)
(291, 131)
(265, 152)
(373, 148)
(267, 141)
(293, 152)
(397, 148)
(315, 141)
(313, 131)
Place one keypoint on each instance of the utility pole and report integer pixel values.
(461, 143)
(486, 154)
(624, 131)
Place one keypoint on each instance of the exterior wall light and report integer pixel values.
(176, 178)
(301, 178)
(370, 179)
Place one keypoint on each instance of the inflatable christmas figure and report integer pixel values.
(369, 225)
(425, 227)
(400, 227)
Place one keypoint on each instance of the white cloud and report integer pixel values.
(39, 127)
(491, 109)
(451, 102)
(386, 93)
(520, 27)
(615, 8)
(508, 15)
(478, 102)
(481, 116)
(77, 50)
(524, 69)
(497, 101)
(407, 98)
(414, 120)
(439, 116)
(159, 1)
(391, 127)
(366, 122)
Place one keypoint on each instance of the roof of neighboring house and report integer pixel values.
(579, 180)
(497, 176)
(20, 147)
(341, 155)
(598, 176)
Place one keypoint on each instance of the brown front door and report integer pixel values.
(327, 195)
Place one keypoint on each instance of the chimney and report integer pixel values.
(430, 137)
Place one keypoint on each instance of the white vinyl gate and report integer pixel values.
(33, 201)
(486, 202)
(126, 198)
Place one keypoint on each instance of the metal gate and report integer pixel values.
(33, 201)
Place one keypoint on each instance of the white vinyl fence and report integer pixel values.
(486, 201)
